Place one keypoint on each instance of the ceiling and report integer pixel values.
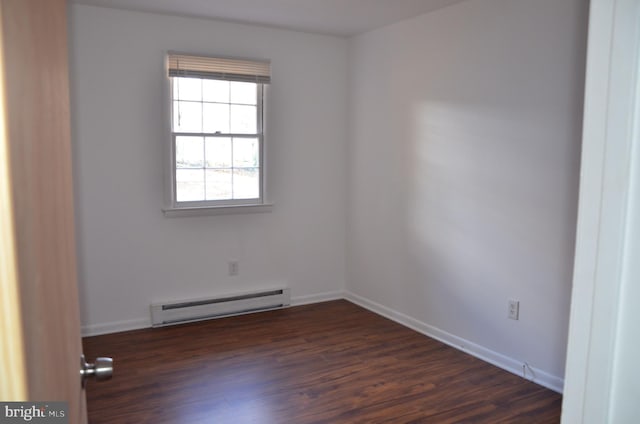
(334, 17)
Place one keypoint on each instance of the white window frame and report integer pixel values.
(174, 208)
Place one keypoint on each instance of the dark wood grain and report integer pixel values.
(331, 362)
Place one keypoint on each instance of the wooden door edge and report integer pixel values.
(13, 385)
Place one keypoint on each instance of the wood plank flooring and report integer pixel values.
(330, 363)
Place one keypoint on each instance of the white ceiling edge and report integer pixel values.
(342, 18)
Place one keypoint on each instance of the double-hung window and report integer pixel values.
(217, 139)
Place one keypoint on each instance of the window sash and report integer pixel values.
(221, 202)
(225, 202)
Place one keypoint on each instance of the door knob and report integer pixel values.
(101, 370)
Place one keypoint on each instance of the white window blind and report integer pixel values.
(189, 66)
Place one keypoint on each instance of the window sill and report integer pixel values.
(217, 210)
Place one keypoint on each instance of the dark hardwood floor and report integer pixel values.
(331, 362)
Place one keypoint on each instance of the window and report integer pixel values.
(217, 138)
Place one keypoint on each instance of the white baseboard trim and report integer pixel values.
(137, 324)
(508, 364)
(115, 327)
(317, 298)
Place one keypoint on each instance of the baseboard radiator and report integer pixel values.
(200, 309)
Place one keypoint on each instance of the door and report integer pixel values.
(40, 343)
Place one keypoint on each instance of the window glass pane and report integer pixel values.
(215, 91)
(189, 185)
(218, 152)
(219, 184)
(244, 93)
(246, 183)
(187, 89)
(189, 152)
(246, 152)
(187, 117)
(244, 119)
(216, 118)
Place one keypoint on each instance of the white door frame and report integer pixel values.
(609, 163)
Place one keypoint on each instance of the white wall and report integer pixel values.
(463, 169)
(129, 254)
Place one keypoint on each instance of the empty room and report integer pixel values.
(346, 211)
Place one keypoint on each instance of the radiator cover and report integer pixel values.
(217, 307)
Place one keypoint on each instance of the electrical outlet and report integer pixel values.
(233, 268)
(514, 309)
